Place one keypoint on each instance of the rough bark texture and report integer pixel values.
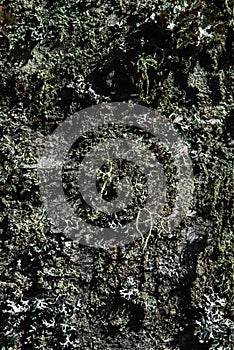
(58, 57)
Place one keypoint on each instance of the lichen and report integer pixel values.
(58, 57)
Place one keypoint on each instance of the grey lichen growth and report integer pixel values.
(58, 57)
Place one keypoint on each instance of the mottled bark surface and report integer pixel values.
(58, 57)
